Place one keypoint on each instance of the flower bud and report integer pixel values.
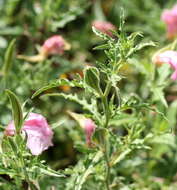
(87, 124)
(104, 27)
(55, 45)
(89, 127)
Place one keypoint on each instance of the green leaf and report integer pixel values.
(98, 12)
(117, 157)
(92, 80)
(100, 34)
(8, 58)
(57, 83)
(172, 113)
(133, 36)
(67, 16)
(163, 74)
(159, 95)
(102, 47)
(100, 138)
(91, 107)
(82, 178)
(50, 172)
(9, 31)
(13, 144)
(16, 110)
(164, 139)
(117, 121)
(139, 47)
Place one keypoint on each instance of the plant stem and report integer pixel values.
(107, 117)
(107, 181)
(106, 111)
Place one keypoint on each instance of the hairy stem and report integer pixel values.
(107, 181)
(106, 111)
(107, 117)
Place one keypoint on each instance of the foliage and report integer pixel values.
(109, 79)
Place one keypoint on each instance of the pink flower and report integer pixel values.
(89, 127)
(55, 45)
(170, 19)
(104, 27)
(169, 57)
(39, 133)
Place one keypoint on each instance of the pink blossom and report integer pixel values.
(170, 19)
(89, 127)
(55, 45)
(169, 57)
(104, 27)
(39, 133)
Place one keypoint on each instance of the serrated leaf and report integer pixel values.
(91, 107)
(60, 82)
(82, 178)
(16, 110)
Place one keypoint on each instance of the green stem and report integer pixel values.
(107, 181)
(105, 104)
(107, 90)
(106, 111)
(107, 117)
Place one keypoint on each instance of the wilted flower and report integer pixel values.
(39, 133)
(87, 124)
(169, 57)
(170, 18)
(89, 127)
(55, 45)
(104, 27)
